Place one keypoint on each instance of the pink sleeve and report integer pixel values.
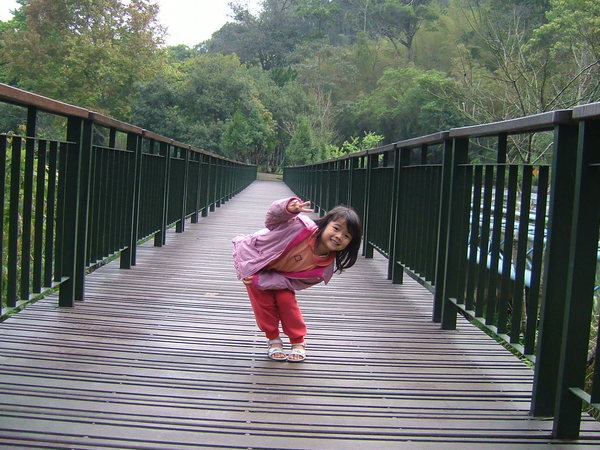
(278, 212)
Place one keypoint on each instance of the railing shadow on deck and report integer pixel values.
(513, 246)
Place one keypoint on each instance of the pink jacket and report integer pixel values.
(253, 252)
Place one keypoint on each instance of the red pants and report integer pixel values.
(274, 306)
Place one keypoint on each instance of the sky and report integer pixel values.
(188, 22)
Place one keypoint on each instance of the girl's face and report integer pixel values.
(334, 238)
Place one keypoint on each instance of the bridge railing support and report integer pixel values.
(451, 211)
(94, 194)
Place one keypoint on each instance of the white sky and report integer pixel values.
(187, 21)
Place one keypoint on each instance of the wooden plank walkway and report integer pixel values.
(167, 355)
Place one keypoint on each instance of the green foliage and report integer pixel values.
(237, 138)
(199, 101)
(571, 39)
(572, 25)
(307, 76)
(410, 102)
(156, 105)
(400, 20)
(86, 52)
(264, 40)
(303, 147)
(370, 140)
(355, 144)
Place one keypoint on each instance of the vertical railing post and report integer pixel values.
(214, 175)
(127, 255)
(196, 214)
(205, 177)
(442, 239)
(180, 226)
(85, 160)
(583, 244)
(160, 237)
(41, 215)
(455, 248)
(496, 234)
(12, 263)
(70, 210)
(26, 218)
(325, 187)
(110, 224)
(327, 192)
(352, 164)
(231, 183)
(311, 189)
(316, 187)
(395, 273)
(218, 182)
(345, 188)
(210, 184)
(3, 153)
(367, 248)
(338, 181)
(552, 309)
(137, 197)
(224, 182)
(321, 190)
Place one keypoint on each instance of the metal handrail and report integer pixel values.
(533, 283)
(94, 194)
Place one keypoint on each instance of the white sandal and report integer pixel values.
(275, 348)
(298, 350)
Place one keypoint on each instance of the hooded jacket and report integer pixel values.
(253, 252)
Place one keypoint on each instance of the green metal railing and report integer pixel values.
(69, 204)
(512, 246)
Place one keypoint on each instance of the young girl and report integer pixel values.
(292, 253)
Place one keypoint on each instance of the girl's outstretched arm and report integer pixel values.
(283, 210)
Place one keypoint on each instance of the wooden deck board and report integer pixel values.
(167, 355)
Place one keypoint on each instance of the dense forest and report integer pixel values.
(303, 80)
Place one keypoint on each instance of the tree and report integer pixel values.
(286, 103)
(516, 65)
(320, 19)
(303, 147)
(410, 102)
(400, 20)
(265, 39)
(87, 52)
(237, 142)
(572, 37)
(156, 105)
(200, 102)
(329, 76)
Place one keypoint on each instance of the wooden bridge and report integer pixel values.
(167, 355)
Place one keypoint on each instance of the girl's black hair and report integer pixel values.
(346, 258)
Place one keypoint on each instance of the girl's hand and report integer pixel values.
(247, 280)
(297, 206)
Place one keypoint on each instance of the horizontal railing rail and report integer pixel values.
(69, 204)
(511, 245)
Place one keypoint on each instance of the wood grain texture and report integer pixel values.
(167, 355)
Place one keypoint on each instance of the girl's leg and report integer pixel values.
(265, 310)
(292, 321)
